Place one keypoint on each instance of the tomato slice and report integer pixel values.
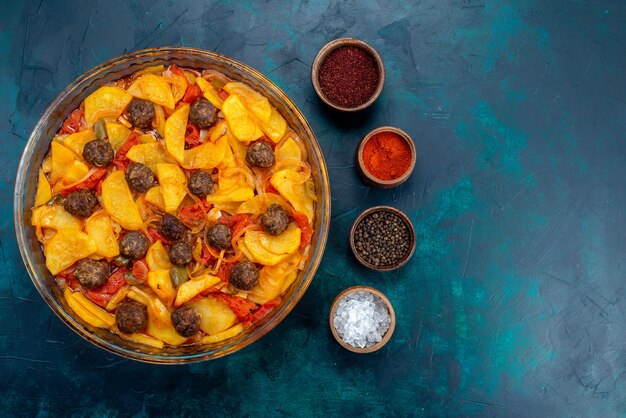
(240, 307)
(155, 235)
(140, 270)
(192, 93)
(73, 123)
(192, 136)
(90, 183)
(305, 227)
(121, 161)
(115, 281)
(261, 312)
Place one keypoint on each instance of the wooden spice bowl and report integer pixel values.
(412, 238)
(386, 337)
(367, 176)
(329, 47)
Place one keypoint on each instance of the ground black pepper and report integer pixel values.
(382, 239)
(348, 76)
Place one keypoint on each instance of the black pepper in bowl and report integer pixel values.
(382, 238)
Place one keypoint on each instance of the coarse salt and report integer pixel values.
(361, 319)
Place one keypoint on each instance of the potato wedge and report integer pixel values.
(229, 333)
(44, 191)
(161, 283)
(254, 102)
(81, 311)
(154, 88)
(98, 227)
(157, 258)
(206, 156)
(259, 203)
(173, 185)
(155, 197)
(77, 171)
(118, 201)
(117, 133)
(94, 309)
(191, 288)
(215, 316)
(210, 93)
(61, 161)
(175, 129)
(276, 127)
(76, 141)
(290, 185)
(67, 247)
(160, 324)
(107, 101)
(150, 154)
(239, 121)
(55, 217)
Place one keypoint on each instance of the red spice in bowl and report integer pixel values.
(348, 76)
(386, 157)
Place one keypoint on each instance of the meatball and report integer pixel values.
(140, 113)
(171, 227)
(131, 316)
(244, 275)
(80, 203)
(186, 321)
(219, 236)
(202, 113)
(91, 274)
(275, 219)
(134, 245)
(260, 154)
(180, 253)
(139, 177)
(98, 153)
(200, 183)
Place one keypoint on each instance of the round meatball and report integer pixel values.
(98, 153)
(219, 236)
(131, 316)
(134, 245)
(186, 321)
(200, 183)
(202, 113)
(80, 203)
(139, 177)
(275, 219)
(91, 274)
(140, 113)
(260, 154)
(244, 275)
(171, 227)
(180, 253)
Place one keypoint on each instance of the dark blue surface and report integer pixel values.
(513, 304)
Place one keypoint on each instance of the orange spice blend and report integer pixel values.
(386, 156)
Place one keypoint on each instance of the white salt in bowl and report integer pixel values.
(376, 293)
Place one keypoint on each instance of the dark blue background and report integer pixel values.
(514, 301)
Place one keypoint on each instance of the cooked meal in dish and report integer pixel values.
(175, 206)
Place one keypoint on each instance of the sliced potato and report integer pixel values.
(146, 340)
(161, 283)
(155, 197)
(117, 133)
(276, 127)
(118, 201)
(191, 288)
(94, 309)
(157, 258)
(259, 203)
(67, 247)
(77, 171)
(44, 192)
(255, 102)
(270, 250)
(160, 324)
(107, 101)
(210, 93)
(289, 150)
(215, 316)
(206, 156)
(150, 154)
(175, 129)
(98, 227)
(290, 185)
(154, 88)
(229, 333)
(55, 217)
(173, 185)
(239, 121)
(81, 311)
(76, 141)
(231, 188)
(61, 160)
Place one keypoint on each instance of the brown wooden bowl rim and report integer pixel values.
(386, 337)
(379, 182)
(404, 217)
(334, 44)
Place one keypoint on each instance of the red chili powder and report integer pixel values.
(348, 76)
(386, 156)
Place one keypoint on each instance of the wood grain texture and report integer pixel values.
(513, 304)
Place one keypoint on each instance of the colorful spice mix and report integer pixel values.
(348, 76)
(386, 156)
